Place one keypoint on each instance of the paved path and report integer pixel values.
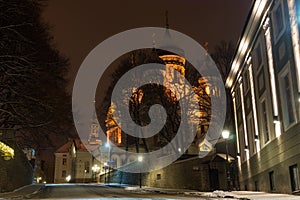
(100, 191)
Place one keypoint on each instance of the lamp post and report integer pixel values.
(84, 176)
(96, 169)
(108, 159)
(225, 135)
(140, 160)
(105, 168)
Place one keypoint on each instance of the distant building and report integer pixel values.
(265, 84)
(74, 163)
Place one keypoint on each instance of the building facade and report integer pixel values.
(74, 163)
(265, 85)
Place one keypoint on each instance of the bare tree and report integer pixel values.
(33, 99)
(146, 96)
(223, 54)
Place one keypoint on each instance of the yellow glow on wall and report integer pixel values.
(6, 151)
(254, 108)
(236, 124)
(239, 160)
(272, 74)
(244, 115)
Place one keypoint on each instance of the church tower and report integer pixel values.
(94, 130)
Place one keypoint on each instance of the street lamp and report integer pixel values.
(108, 159)
(96, 169)
(225, 135)
(105, 168)
(140, 160)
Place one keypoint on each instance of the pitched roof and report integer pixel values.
(79, 145)
(65, 148)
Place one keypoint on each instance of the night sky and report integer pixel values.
(78, 26)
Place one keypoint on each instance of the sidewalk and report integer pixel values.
(241, 195)
(23, 191)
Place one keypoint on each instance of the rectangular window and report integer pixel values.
(256, 186)
(272, 180)
(295, 181)
(63, 174)
(251, 134)
(246, 81)
(238, 97)
(87, 166)
(287, 97)
(258, 55)
(64, 161)
(158, 176)
(278, 21)
(242, 142)
(261, 81)
(265, 121)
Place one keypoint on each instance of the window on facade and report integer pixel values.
(294, 175)
(288, 91)
(64, 161)
(246, 81)
(87, 166)
(238, 96)
(256, 186)
(63, 173)
(258, 55)
(242, 142)
(287, 98)
(278, 21)
(251, 133)
(261, 81)
(265, 121)
(158, 176)
(272, 180)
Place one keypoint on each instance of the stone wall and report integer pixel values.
(188, 174)
(16, 172)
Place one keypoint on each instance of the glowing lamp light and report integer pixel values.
(225, 134)
(6, 151)
(140, 158)
(95, 168)
(68, 178)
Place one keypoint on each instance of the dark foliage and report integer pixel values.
(33, 99)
